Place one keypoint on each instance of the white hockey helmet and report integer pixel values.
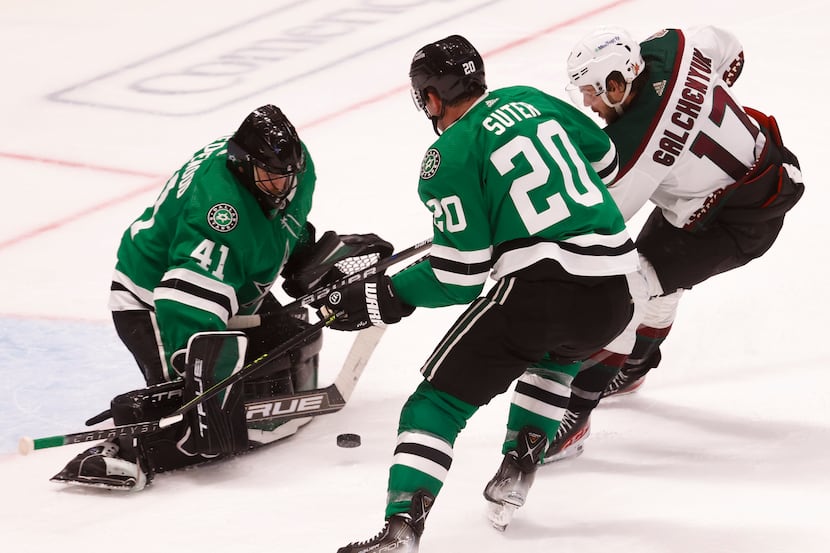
(601, 53)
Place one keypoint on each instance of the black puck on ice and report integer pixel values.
(348, 440)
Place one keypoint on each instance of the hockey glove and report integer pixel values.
(371, 302)
(330, 258)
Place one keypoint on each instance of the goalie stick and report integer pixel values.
(299, 338)
(322, 400)
(309, 403)
(329, 399)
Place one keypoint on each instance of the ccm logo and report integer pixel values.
(284, 407)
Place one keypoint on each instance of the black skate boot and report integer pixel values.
(101, 467)
(401, 533)
(627, 381)
(633, 374)
(570, 437)
(507, 490)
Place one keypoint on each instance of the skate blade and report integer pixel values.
(96, 485)
(567, 453)
(501, 514)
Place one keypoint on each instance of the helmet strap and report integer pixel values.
(618, 107)
(436, 118)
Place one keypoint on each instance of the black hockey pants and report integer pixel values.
(740, 226)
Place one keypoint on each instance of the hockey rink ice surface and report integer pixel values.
(725, 449)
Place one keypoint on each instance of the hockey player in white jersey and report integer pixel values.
(718, 173)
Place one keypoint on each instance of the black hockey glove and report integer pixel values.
(330, 258)
(370, 302)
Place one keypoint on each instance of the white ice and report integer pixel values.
(725, 449)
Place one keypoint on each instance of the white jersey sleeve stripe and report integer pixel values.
(467, 258)
(200, 291)
(132, 297)
(608, 167)
(573, 261)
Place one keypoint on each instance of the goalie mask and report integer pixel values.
(451, 67)
(266, 154)
(599, 55)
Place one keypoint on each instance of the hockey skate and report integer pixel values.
(627, 381)
(401, 533)
(100, 467)
(507, 490)
(570, 437)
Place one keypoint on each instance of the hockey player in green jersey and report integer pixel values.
(515, 185)
(194, 265)
(719, 174)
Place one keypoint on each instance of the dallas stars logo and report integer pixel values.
(429, 166)
(223, 217)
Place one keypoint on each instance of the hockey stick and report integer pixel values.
(381, 265)
(332, 398)
(309, 403)
(299, 338)
(322, 400)
(245, 321)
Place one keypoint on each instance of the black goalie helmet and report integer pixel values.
(451, 66)
(267, 139)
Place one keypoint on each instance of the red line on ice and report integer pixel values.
(320, 120)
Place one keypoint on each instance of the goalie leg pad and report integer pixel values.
(147, 404)
(217, 424)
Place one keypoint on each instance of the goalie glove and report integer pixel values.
(370, 302)
(330, 258)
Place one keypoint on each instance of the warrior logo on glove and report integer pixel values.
(371, 302)
(372, 307)
(334, 298)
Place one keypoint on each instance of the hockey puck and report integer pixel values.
(348, 440)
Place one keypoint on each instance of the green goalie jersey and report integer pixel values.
(521, 177)
(205, 251)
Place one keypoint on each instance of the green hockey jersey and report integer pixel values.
(205, 251)
(519, 178)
